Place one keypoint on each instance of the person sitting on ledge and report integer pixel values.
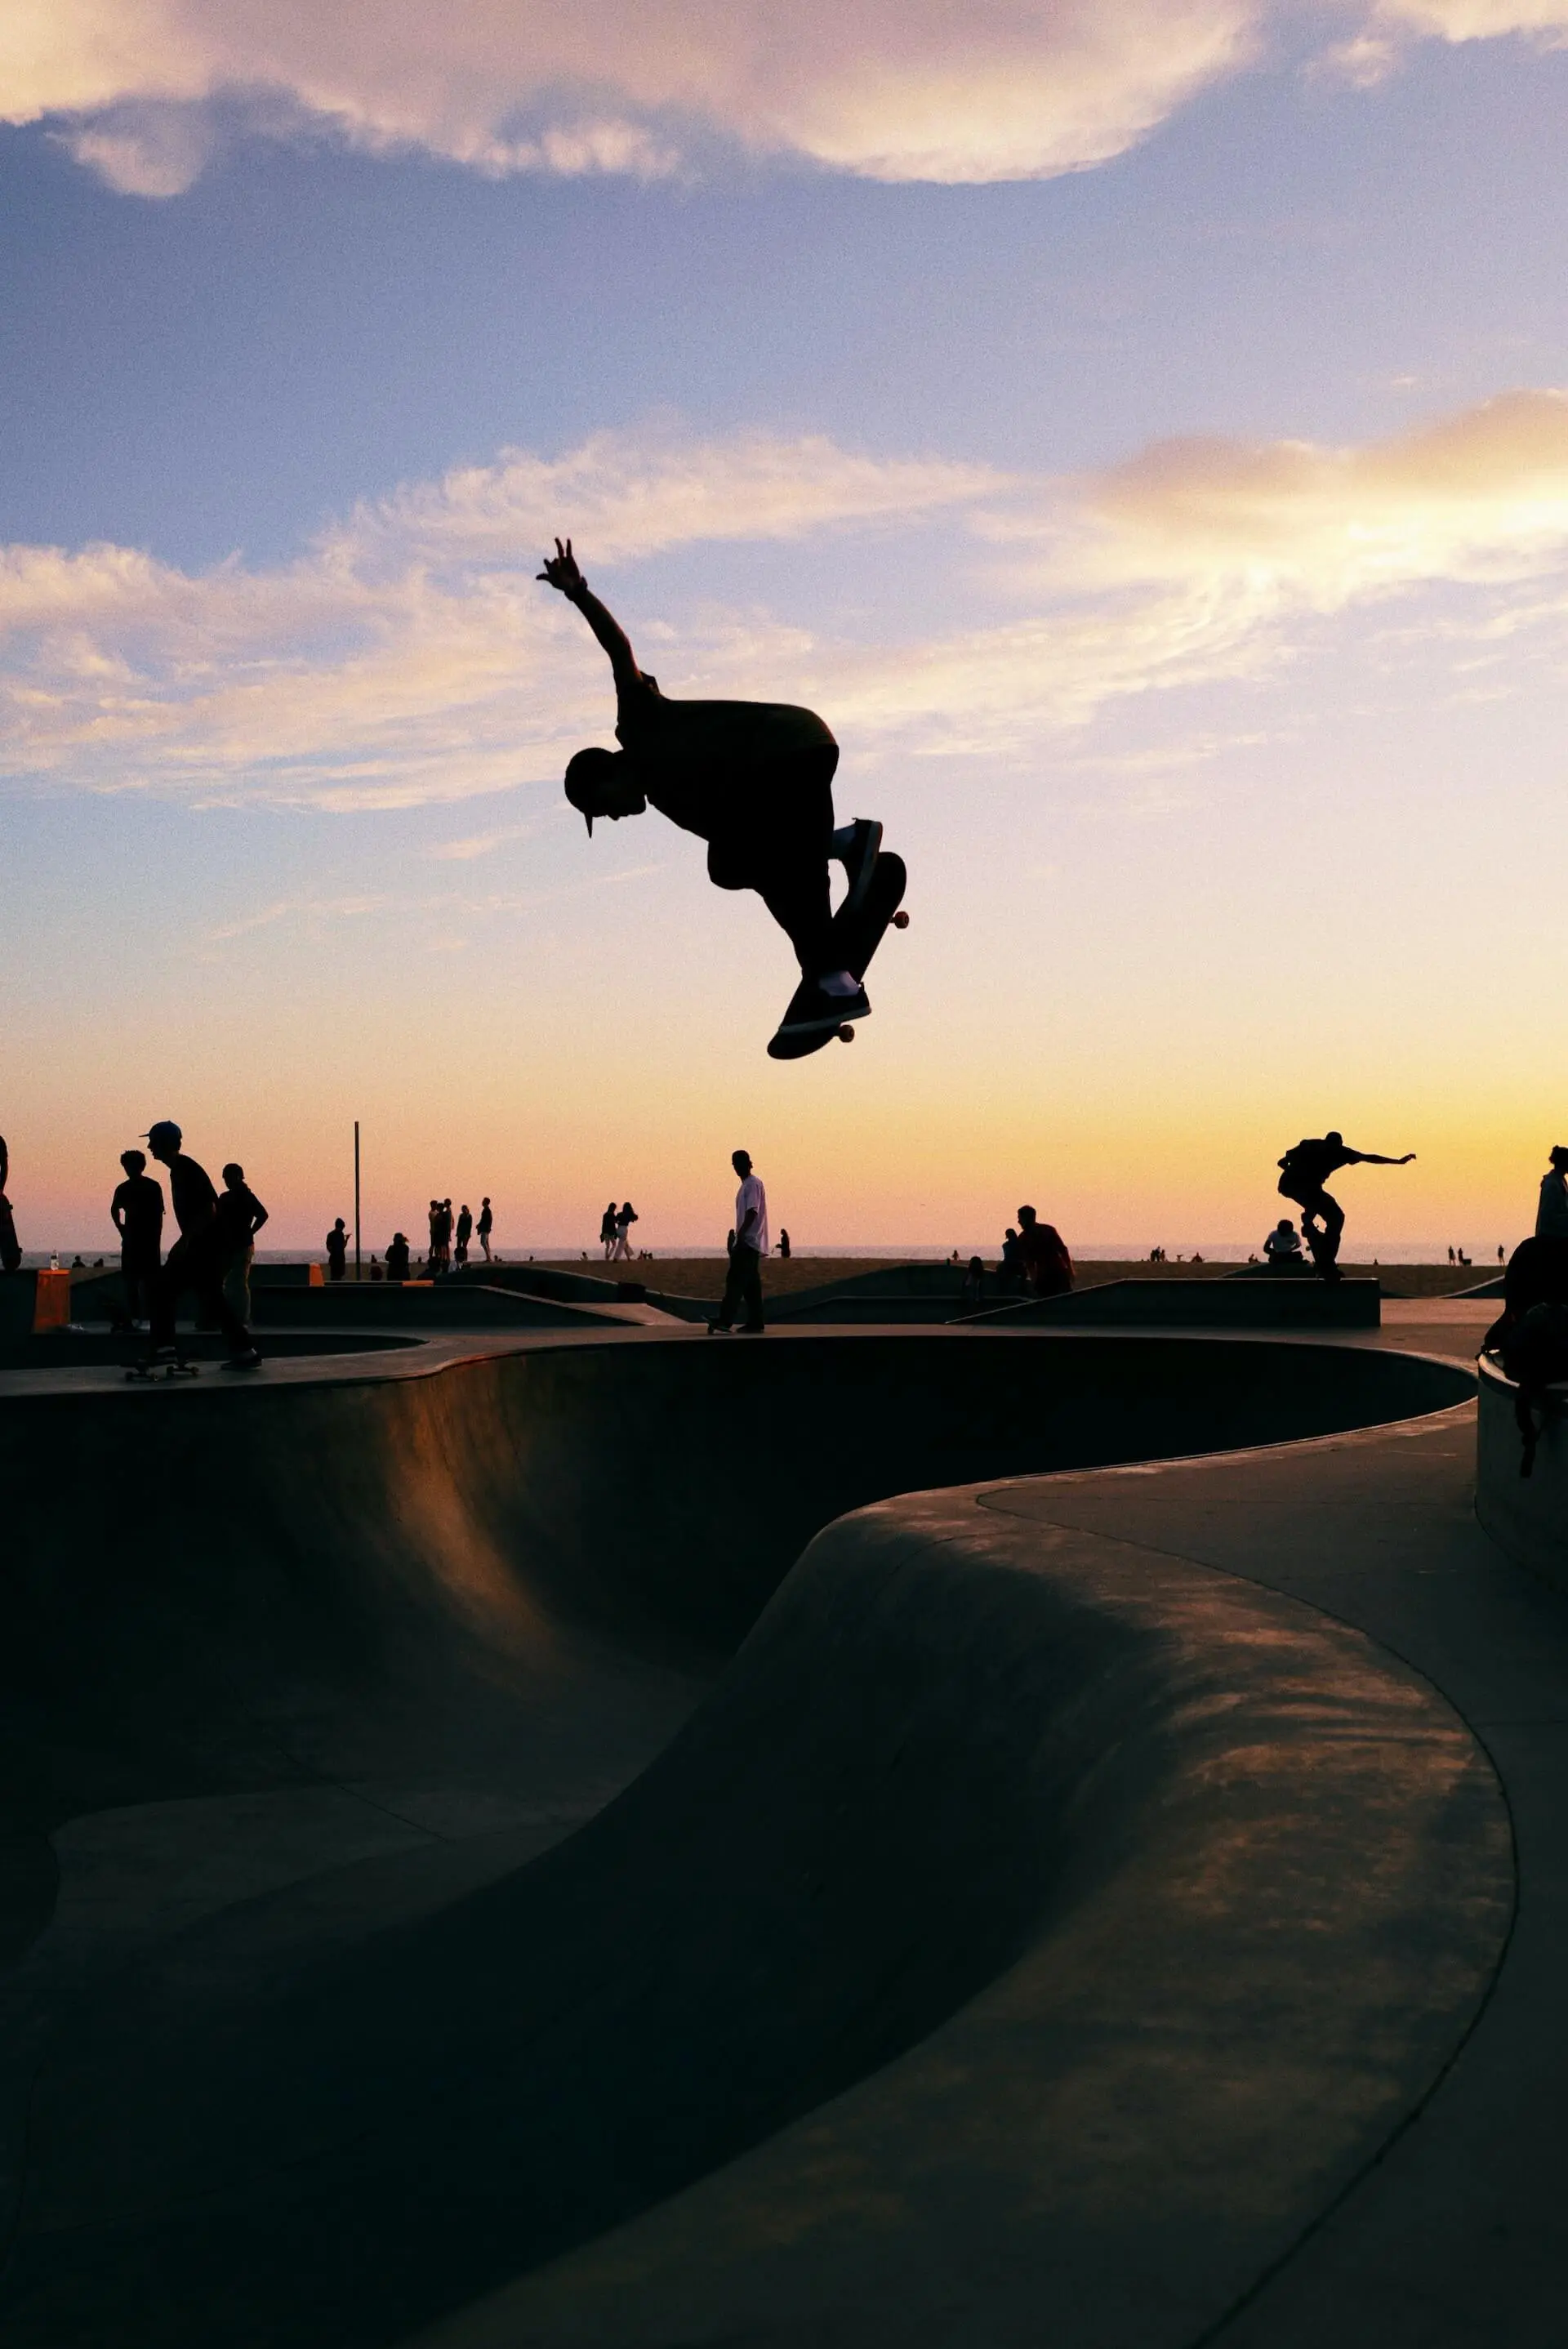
(754, 779)
(1537, 1271)
(398, 1256)
(1283, 1245)
(1048, 1267)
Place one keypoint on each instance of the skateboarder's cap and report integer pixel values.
(161, 1126)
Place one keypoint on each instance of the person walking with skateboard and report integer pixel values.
(199, 1258)
(1304, 1171)
(754, 780)
(743, 1282)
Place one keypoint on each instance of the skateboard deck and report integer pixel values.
(856, 938)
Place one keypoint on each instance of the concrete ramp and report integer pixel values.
(496, 1892)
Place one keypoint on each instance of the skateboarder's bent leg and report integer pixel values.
(779, 839)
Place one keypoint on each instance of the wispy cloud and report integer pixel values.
(410, 656)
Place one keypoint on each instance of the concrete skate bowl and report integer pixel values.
(505, 1888)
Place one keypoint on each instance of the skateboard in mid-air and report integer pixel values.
(856, 938)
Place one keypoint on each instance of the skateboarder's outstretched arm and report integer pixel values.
(561, 571)
(1371, 1158)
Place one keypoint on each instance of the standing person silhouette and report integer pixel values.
(136, 1211)
(464, 1231)
(239, 1217)
(1303, 1172)
(754, 779)
(10, 1247)
(484, 1228)
(338, 1251)
(749, 1247)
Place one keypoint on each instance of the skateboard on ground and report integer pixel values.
(150, 1368)
(856, 938)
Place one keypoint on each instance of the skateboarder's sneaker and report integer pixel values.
(248, 1361)
(865, 845)
(821, 1013)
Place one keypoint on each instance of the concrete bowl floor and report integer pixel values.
(467, 1875)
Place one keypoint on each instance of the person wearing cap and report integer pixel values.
(199, 1258)
(754, 779)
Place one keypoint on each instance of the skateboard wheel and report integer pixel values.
(900, 920)
(846, 1034)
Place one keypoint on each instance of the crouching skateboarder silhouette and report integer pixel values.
(754, 780)
(1303, 1172)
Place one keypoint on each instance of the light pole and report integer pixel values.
(356, 1199)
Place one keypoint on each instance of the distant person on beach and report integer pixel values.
(240, 1215)
(338, 1251)
(484, 1228)
(743, 1282)
(754, 779)
(1283, 1245)
(398, 1256)
(136, 1212)
(199, 1258)
(607, 1231)
(10, 1247)
(464, 1231)
(1048, 1267)
(626, 1217)
(1304, 1171)
(783, 1245)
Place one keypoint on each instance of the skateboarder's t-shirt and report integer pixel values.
(1311, 1163)
(191, 1188)
(695, 760)
(141, 1204)
(752, 1195)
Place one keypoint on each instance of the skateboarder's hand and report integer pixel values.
(560, 569)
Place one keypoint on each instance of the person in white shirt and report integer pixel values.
(748, 1246)
(1282, 1243)
(1551, 1216)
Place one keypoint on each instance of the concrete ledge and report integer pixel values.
(1200, 1305)
(1527, 1516)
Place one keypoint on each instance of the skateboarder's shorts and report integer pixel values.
(776, 816)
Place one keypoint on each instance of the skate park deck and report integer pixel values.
(464, 1880)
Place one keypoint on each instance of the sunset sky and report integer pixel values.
(1138, 427)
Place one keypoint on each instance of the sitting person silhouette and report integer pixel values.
(1283, 1245)
(754, 779)
(1304, 1171)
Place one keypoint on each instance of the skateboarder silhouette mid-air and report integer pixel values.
(754, 780)
(1304, 1171)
